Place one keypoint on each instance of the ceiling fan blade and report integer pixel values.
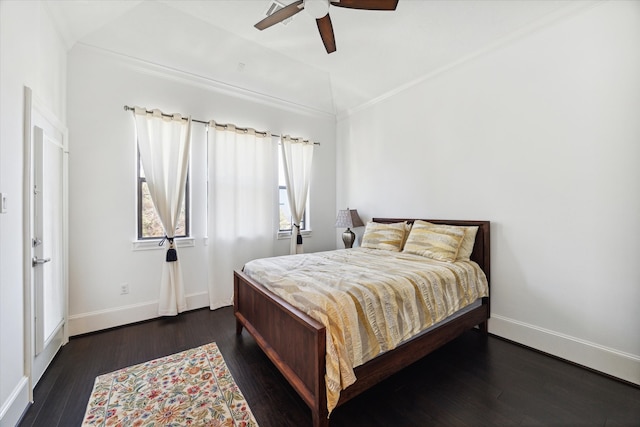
(367, 4)
(280, 15)
(326, 32)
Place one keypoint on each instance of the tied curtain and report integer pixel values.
(164, 142)
(297, 156)
(242, 201)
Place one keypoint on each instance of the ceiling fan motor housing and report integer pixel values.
(317, 8)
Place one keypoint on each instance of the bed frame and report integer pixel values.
(295, 342)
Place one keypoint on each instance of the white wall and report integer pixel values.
(541, 136)
(31, 53)
(102, 180)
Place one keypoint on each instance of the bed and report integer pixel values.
(297, 343)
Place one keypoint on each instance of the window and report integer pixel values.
(284, 208)
(149, 225)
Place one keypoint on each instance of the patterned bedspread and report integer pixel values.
(369, 300)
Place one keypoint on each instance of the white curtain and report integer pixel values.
(297, 156)
(242, 204)
(164, 151)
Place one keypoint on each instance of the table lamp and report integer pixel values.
(348, 218)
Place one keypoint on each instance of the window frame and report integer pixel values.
(140, 180)
(303, 222)
(305, 229)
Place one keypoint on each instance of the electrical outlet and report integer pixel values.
(124, 289)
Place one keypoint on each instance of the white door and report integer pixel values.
(48, 254)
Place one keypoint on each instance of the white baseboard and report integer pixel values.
(15, 405)
(104, 319)
(591, 355)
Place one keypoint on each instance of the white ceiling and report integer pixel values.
(377, 51)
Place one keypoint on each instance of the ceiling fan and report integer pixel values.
(319, 9)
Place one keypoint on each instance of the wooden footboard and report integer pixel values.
(296, 343)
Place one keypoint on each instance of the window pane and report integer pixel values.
(151, 225)
(285, 210)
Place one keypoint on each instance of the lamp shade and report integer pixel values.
(348, 218)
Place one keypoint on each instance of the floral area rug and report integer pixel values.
(190, 388)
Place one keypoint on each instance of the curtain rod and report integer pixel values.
(127, 108)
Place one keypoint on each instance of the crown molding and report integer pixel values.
(570, 10)
(184, 77)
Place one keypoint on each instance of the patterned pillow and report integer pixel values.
(407, 230)
(389, 237)
(434, 241)
(466, 247)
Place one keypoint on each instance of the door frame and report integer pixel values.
(33, 103)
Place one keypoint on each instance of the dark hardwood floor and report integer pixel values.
(473, 381)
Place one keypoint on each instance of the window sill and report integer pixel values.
(282, 235)
(152, 244)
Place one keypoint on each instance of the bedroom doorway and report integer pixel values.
(46, 263)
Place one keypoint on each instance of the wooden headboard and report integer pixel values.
(482, 248)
